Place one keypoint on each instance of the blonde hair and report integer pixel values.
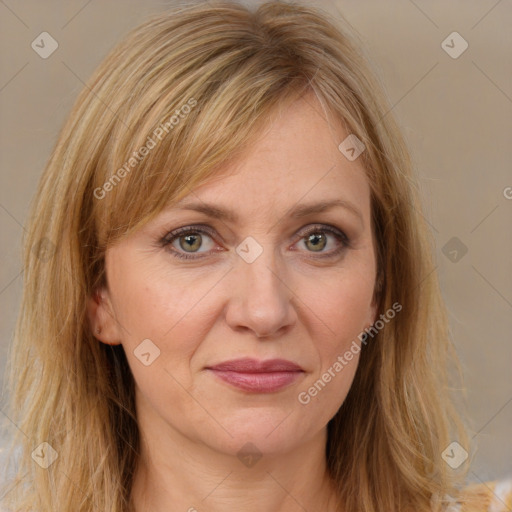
(232, 67)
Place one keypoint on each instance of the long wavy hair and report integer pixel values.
(232, 66)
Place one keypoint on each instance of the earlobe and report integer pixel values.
(101, 318)
(373, 312)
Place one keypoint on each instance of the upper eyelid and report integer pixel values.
(188, 229)
(211, 231)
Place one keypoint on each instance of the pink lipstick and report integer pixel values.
(258, 376)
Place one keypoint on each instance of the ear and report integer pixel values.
(102, 320)
(377, 295)
(373, 310)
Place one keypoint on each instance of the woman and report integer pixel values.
(228, 298)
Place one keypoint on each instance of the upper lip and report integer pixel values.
(248, 365)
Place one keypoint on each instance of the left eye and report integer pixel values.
(317, 239)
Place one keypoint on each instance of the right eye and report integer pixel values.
(186, 241)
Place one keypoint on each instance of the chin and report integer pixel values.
(271, 430)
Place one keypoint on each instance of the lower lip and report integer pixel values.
(258, 382)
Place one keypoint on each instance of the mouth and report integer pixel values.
(257, 376)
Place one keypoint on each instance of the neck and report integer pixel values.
(176, 471)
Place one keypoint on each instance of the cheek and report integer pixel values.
(151, 303)
(147, 298)
(321, 397)
(342, 303)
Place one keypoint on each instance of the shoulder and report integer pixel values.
(493, 496)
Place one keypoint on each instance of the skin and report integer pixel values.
(289, 303)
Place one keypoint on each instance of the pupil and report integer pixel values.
(191, 241)
(317, 240)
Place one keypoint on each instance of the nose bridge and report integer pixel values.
(260, 299)
(263, 275)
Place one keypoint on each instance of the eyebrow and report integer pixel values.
(297, 212)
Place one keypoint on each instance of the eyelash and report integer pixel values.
(199, 229)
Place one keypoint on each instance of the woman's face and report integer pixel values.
(275, 261)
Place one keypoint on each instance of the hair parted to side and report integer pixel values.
(233, 67)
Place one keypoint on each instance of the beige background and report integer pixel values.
(455, 113)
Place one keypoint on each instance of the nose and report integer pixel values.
(260, 299)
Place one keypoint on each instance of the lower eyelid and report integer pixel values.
(341, 247)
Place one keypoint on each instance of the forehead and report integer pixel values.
(295, 161)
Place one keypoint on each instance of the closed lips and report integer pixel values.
(256, 376)
(255, 366)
